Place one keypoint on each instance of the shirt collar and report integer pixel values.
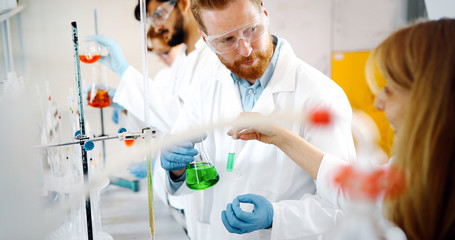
(265, 78)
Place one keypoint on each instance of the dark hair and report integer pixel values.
(137, 9)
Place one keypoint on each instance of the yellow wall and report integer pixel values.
(348, 71)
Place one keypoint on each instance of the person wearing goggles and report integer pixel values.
(228, 41)
(161, 14)
(258, 72)
(173, 20)
(161, 49)
(246, 49)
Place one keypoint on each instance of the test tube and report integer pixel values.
(231, 156)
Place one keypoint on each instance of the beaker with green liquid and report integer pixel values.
(201, 174)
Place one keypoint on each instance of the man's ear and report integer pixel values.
(203, 38)
(184, 5)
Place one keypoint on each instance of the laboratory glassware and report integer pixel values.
(231, 156)
(90, 51)
(201, 173)
(98, 95)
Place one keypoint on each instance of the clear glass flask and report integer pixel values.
(201, 173)
(98, 95)
(89, 51)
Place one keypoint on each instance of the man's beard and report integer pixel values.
(177, 37)
(251, 72)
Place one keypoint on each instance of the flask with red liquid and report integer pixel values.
(89, 51)
(98, 95)
(100, 98)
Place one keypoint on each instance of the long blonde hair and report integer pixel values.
(421, 59)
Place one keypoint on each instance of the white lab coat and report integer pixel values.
(262, 168)
(371, 214)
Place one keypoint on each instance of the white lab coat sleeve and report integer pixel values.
(182, 190)
(336, 137)
(129, 93)
(308, 218)
(326, 187)
(164, 106)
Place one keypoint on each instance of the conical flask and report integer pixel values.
(98, 95)
(201, 173)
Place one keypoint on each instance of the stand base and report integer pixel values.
(133, 184)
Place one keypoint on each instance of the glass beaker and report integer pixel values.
(89, 51)
(101, 97)
(201, 174)
(98, 95)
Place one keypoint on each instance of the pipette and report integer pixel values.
(231, 156)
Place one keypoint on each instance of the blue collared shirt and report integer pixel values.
(249, 94)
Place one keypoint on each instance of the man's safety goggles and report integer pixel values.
(228, 41)
(161, 14)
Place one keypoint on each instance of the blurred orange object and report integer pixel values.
(129, 143)
(100, 100)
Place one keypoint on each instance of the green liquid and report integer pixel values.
(230, 163)
(202, 171)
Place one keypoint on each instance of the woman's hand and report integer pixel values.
(256, 127)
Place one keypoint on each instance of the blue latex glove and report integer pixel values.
(238, 221)
(139, 170)
(177, 157)
(115, 60)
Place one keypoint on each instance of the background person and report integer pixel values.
(172, 20)
(165, 54)
(159, 46)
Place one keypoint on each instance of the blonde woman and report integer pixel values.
(418, 98)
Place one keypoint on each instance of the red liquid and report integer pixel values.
(321, 117)
(129, 143)
(100, 100)
(89, 59)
